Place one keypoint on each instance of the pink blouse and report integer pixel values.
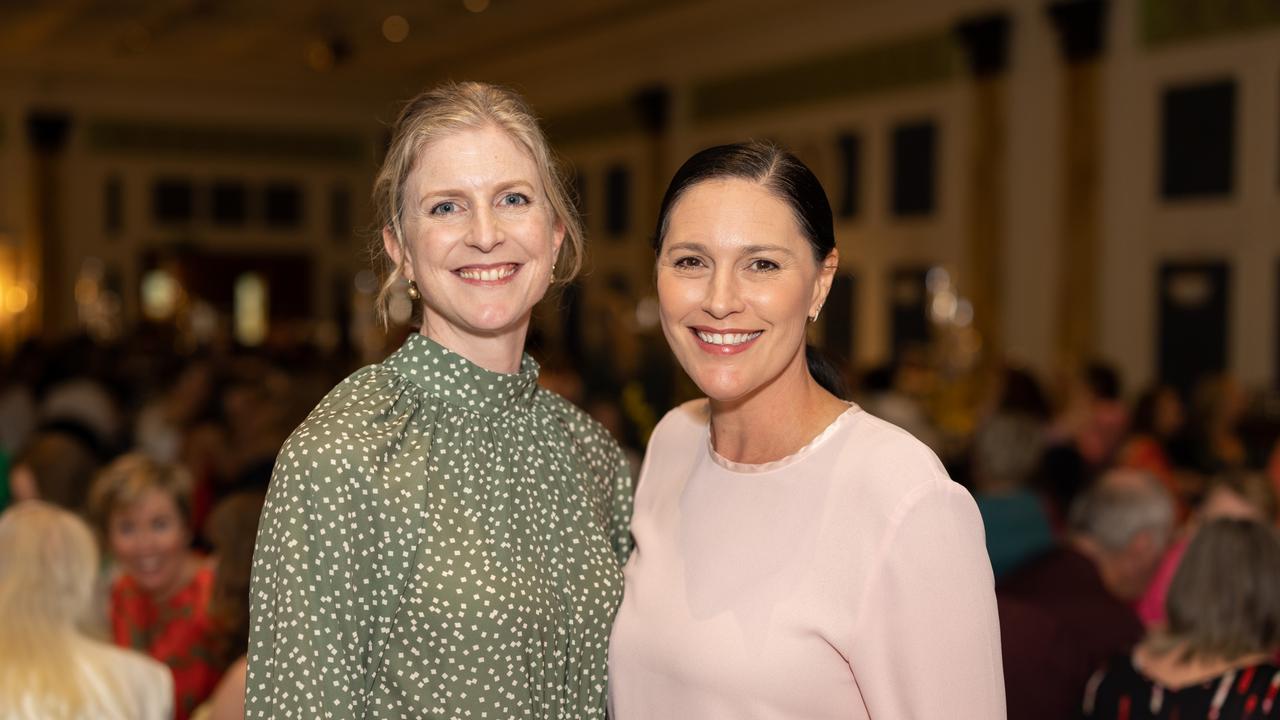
(849, 580)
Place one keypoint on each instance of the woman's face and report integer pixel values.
(479, 234)
(737, 282)
(150, 539)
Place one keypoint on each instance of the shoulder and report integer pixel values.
(139, 670)
(895, 470)
(683, 424)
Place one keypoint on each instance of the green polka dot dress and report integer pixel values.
(439, 541)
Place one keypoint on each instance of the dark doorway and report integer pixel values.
(1194, 318)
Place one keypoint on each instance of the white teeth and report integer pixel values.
(727, 338)
(488, 274)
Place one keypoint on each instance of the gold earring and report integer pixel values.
(413, 291)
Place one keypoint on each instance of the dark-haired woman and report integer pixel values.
(1215, 659)
(795, 557)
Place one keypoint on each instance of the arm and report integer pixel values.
(927, 645)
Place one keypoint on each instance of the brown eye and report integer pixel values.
(762, 265)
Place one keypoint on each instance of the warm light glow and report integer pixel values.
(476, 6)
(320, 56)
(395, 29)
(250, 309)
(16, 299)
(159, 295)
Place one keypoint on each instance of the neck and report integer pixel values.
(775, 420)
(499, 352)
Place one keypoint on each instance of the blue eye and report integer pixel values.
(444, 208)
(515, 199)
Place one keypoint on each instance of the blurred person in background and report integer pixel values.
(162, 425)
(796, 557)
(159, 602)
(1095, 419)
(442, 536)
(1215, 659)
(1218, 408)
(48, 562)
(1082, 592)
(1235, 494)
(57, 465)
(231, 529)
(1157, 442)
(1006, 452)
(19, 378)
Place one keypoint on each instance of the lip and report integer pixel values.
(495, 282)
(722, 350)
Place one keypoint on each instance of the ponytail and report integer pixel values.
(825, 372)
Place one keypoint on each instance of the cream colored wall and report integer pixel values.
(1141, 231)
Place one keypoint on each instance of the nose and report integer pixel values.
(486, 231)
(723, 297)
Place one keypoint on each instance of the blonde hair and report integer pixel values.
(48, 565)
(448, 109)
(128, 478)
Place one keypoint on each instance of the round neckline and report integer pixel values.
(809, 448)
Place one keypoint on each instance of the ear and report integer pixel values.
(827, 275)
(558, 231)
(396, 251)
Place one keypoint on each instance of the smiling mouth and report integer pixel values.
(726, 338)
(487, 274)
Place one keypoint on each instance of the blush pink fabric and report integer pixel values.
(849, 580)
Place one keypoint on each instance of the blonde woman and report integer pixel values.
(48, 669)
(442, 537)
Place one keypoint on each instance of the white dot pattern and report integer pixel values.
(439, 541)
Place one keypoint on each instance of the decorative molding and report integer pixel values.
(117, 136)
(1082, 28)
(911, 61)
(985, 40)
(1169, 22)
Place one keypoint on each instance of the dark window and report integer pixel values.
(1197, 141)
(172, 201)
(282, 205)
(617, 192)
(850, 165)
(113, 205)
(230, 203)
(914, 168)
(340, 225)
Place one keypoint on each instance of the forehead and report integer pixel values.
(732, 211)
(153, 500)
(473, 157)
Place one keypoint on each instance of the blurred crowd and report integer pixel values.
(1131, 534)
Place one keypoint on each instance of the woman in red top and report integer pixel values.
(160, 601)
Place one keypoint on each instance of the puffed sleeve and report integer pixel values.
(927, 646)
(335, 545)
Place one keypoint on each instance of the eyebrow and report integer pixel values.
(456, 192)
(747, 250)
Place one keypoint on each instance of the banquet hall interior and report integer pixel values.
(1058, 225)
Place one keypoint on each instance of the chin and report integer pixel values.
(723, 386)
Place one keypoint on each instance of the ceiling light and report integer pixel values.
(395, 29)
(476, 6)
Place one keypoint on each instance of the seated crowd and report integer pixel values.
(1137, 569)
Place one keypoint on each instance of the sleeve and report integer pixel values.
(927, 644)
(621, 506)
(335, 545)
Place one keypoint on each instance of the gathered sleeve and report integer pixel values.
(927, 643)
(335, 545)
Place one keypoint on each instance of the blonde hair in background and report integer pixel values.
(450, 108)
(48, 564)
(128, 478)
